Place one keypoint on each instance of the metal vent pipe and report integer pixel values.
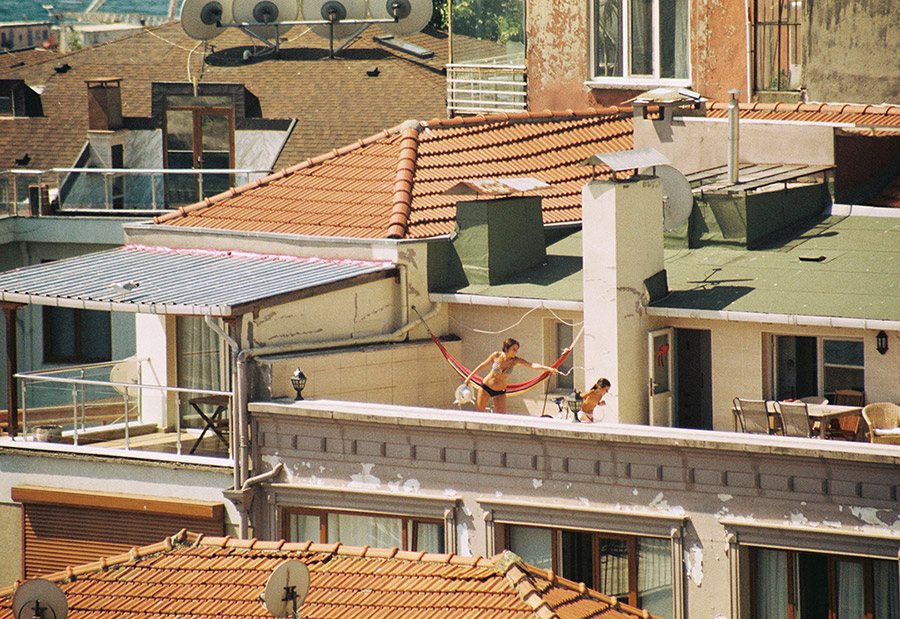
(733, 136)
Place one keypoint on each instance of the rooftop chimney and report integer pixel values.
(104, 104)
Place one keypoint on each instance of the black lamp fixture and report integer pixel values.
(881, 342)
(298, 382)
(573, 402)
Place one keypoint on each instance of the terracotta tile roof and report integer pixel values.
(190, 574)
(866, 115)
(333, 101)
(390, 185)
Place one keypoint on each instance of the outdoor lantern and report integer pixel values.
(298, 382)
(573, 401)
(881, 343)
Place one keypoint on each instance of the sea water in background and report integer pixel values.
(32, 10)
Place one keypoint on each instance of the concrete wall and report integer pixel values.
(848, 51)
(693, 144)
(713, 493)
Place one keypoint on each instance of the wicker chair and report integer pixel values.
(883, 419)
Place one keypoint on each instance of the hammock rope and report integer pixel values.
(511, 389)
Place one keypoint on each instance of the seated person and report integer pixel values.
(593, 398)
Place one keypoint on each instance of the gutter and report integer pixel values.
(777, 319)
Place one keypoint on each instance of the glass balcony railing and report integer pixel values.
(108, 405)
(122, 190)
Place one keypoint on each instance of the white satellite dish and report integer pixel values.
(286, 588)
(264, 12)
(678, 199)
(414, 15)
(199, 18)
(39, 599)
(314, 10)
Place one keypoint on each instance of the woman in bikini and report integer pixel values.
(502, 364)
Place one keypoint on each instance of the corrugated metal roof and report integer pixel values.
(178, 281)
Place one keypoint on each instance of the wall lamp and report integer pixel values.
(298, 382)
(881, 342)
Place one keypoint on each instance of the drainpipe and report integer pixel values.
(733, 136)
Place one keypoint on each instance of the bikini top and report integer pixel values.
(496, 368)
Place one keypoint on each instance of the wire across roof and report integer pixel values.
(158, 280)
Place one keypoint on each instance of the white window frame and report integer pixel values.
(633, 81)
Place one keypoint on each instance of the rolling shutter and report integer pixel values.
(70, 528)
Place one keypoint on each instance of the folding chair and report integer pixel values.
(754, 416)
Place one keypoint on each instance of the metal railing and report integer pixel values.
(486, 88)
(120, 190)
(75, 406)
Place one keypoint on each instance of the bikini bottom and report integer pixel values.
(492, 392)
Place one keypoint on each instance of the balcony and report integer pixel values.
(485, 89)
(119, 190)
(114, 406)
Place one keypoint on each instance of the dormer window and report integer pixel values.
(17, 99)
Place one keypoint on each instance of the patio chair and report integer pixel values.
(795, 419)
(754, 416)
(883, 419)
(846, 428)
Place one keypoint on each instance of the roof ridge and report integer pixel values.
(401, 204)
(284, 172)
(880, 109)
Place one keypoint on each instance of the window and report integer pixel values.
(76, 335)
(641, 40)
(794, 584)
(359, 529)
(808, 366)
(633, 568)
(776, 44)
(6, 103)
(199, 134)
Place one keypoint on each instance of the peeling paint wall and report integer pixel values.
(557, 55)
(719, 60)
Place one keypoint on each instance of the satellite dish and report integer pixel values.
(414, 15)
(338, 10)
(199, 18)
(678, 199)
(264, 11)
(39, 598)
(286, 588)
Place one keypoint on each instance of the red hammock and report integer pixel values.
(512, 389)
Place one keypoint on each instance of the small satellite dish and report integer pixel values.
(678, 199)
(39, 599)
(286, 589)
(199, 18)
(313, 10)
(414, 15)
(264, 12)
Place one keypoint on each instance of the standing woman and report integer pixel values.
(502, 364)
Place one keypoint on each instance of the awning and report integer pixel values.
(196, 282)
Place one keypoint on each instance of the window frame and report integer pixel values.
(408, 528)
(605, 523)
(821, 365)
(625, 79)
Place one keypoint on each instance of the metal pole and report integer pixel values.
(75, 413)
(733, 136)
(12, 355)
